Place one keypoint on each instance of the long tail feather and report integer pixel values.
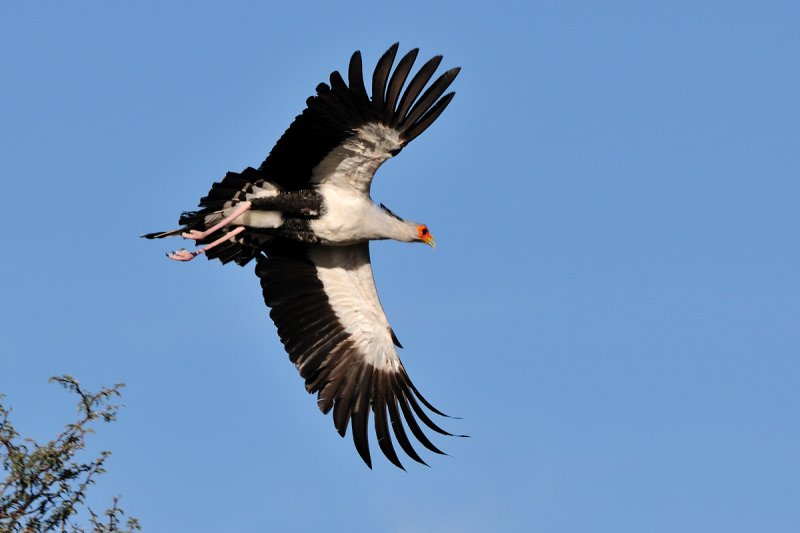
(162, 234)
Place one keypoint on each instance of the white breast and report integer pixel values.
(349, 216)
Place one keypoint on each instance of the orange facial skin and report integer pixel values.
(425, 235)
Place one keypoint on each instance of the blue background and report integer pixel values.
(612, 309)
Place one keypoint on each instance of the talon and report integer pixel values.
(183, 255)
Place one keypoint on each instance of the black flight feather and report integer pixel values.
(380, 78)
(415, 86)
(399, 432)
(344, 400)
(424, 417)
(397, 81)
(430, 96)
(381, 424)
(405, 379)
(412, 424)
(355, 76)
(427, 119)
(359, 415)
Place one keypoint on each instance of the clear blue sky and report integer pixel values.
(613, 308)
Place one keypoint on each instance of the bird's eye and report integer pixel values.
(424, 231)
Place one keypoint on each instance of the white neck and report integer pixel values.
(386, 226)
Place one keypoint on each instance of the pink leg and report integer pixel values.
(197, 235)
(186, 255)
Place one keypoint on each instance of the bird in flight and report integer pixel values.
(306, 217)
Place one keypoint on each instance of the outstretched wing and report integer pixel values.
(345, 135)
(331, 323)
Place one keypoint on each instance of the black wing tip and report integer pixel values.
(404, 377)
(450, 416)
(451, 74)
(397, 463)
(409, 114)
(395, 340)
(363, 450)
(388, 391)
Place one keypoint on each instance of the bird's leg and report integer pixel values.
(197, 235)
(186, 255)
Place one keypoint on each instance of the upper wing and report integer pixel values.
(331, 323)
(345, 135)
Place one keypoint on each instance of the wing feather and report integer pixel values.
(427, 119)
(398, 80)
(426, 403)
(344, 400)
(424, 417)
(412, 424)
(355, 76)
(345, 134)
(430, 96)
(399, 432)
(415, 86)
(359, 416)
(381, 424)
(380, 77)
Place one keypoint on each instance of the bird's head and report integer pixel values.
(406, 230)
(424, 235)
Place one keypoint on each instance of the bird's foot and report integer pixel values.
(183, 255)
(194, 235)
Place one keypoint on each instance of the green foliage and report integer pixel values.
(45, 487)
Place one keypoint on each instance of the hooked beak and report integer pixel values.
(430, 241)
